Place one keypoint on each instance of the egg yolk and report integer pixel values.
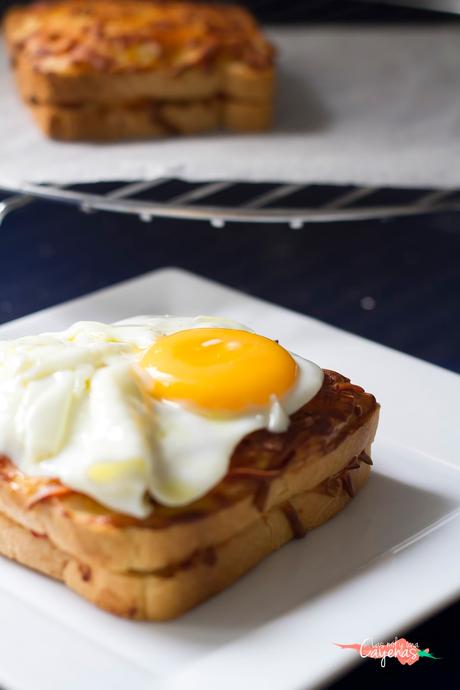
(219, 369)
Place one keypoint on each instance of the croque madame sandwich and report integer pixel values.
(150, 463)
(118, 69)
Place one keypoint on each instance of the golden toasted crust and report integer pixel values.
(125, 36)
(120, 54)
(266, 470)
(164, 595)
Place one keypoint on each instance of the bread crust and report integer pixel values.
(168, 594)
(266, 470)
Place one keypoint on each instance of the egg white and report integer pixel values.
(74, 406)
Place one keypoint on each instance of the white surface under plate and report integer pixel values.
(390, 558)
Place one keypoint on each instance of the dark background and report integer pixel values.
(320, 11)
(410, 267)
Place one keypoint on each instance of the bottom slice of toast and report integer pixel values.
(93, 122)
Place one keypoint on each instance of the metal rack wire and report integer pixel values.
(352, 204)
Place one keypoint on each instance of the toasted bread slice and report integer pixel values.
(70, 55)
(170, 592)
(266, 470)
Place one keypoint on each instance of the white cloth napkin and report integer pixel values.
(364, 105)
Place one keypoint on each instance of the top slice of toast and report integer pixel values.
(266, 470)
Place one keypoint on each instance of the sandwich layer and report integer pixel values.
(266, 470)
(169, 592)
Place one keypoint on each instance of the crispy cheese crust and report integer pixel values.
(119, 36)
(69, 55)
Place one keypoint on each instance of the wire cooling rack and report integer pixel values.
(269, 203)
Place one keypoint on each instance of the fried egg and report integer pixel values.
(152, 406)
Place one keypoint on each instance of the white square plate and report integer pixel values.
(390, 558)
